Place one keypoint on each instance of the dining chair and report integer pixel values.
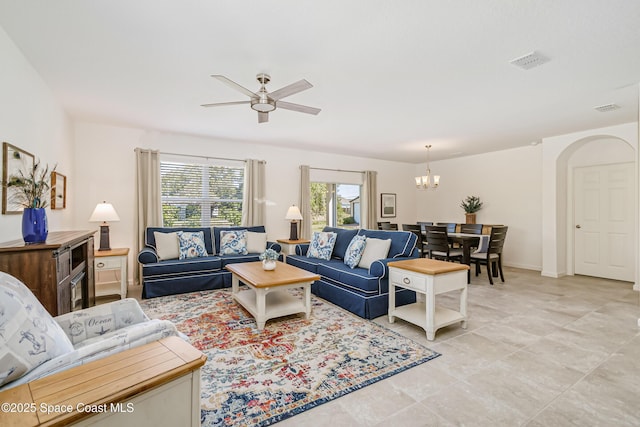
(438, 244)
(451, 226)
(493, 257)
(415, 229)
(471, 228)
(381, 223)
(388, 226)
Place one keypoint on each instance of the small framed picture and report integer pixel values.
(388, 205)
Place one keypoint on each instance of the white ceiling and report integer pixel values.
(389, 76)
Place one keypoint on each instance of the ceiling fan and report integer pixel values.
(264, 102)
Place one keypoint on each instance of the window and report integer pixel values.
(335, 205)
(201, 192)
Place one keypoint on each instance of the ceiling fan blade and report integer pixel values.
(218, 104)
(263, 117)
(297, 107)
(234, 85)
(290, 90)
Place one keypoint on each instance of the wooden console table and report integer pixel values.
(428, 277)
(59, 271)
(157, 384)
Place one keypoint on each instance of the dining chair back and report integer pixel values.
(493, 257)
(415, 229)
(471, 228)
(388, 226)
(451, 226)
(381, 223)
(438, 244)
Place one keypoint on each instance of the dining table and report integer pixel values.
(468, 242)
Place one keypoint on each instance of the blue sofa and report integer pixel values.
(176, 276)
(360, 291)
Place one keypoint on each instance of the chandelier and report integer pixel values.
(425, 182)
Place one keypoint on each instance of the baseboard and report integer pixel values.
(524, 266)
(555, 275)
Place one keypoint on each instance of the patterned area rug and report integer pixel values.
(261, 377)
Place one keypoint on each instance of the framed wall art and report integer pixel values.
(58, 190)
(388, 205)
(14, 161)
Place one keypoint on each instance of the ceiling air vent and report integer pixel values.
(529, 61)
(606, 107)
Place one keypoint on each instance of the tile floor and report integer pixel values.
(537, 352)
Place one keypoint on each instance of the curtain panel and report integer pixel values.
(148, 196)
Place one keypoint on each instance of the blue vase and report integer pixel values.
(34, 225)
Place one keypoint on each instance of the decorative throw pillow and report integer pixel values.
(167, 246)
(30, 336)
(374, 250)
(354, 251)
(321, 245)
(233, 242)
(256, 242)
(191, 244)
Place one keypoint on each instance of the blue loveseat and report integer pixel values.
(178, 276)
(362, 291)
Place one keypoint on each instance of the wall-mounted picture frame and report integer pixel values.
(58, 190)
(387, 205)
(14, 160)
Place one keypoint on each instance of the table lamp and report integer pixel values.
(293, 215)
(102, 213)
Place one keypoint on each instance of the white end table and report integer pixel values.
(114, 260)
(428, 277)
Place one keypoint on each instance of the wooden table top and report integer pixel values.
(428, 266)
(112, 252)
(109, 380)
(284, 274)
(293, 242)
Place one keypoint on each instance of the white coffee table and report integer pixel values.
(267, 296)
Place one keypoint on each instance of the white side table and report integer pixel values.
(289, 246)
(428, 277)
(113, 260)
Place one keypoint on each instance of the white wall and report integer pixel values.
(105, 160)
(32, 119)
(508, 183)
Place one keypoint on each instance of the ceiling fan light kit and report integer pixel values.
(264, 102)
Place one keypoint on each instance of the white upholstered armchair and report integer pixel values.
(34, 344)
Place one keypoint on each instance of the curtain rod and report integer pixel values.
(335, 170)
(204, 157)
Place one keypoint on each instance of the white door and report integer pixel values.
(604, 221)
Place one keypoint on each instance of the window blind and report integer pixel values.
(201, 193)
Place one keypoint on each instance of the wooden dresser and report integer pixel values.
(60, 271)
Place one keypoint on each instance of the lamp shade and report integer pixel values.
(104, 212)
(293, 213)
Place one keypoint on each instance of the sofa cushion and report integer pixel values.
(183, 267)
(256, 242)
(321, 245)
(151, 241)
(233, 242)
(343, 239)
(30, 336)
(101, 319)
(217, 230)
(355, 250)
(167, 245)
(357, 279)
(303, 262)
(374, 250)
(402, 242)
(191, 244)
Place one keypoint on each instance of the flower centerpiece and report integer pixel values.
(471, 205)
(269, 258)
(30, 190)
